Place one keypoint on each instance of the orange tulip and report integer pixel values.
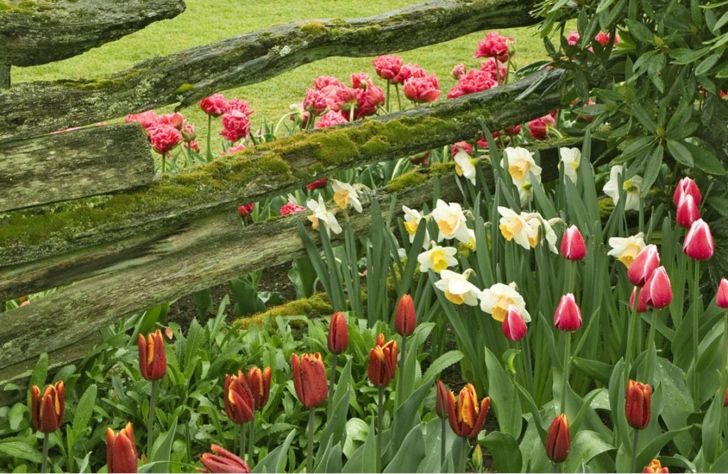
(152, 358)
(121, 453)
(47, 411)
(309, 379)
(558, 440)
(382, 362)
(465, 415)
(239, 400)
(259, 383)
(655, 467)
(338, 339)
(441, 399)
(405, 319)
(637, 406)
(223, 461)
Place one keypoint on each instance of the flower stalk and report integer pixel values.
(251, 441)
(46, 437)
(380, 420)
(696, 326)
(150, 418)
(565, 381)
(400, 380)
(330, 410)
(242, 441)
(311, 421)
(634, 450)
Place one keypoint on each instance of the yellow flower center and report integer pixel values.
(458, 169)
(456, 299)
(448, 225)
(519, 169)
(57, 404)
(511, 228)
(411, 227)
(150, 350)
(499, 310)
(629, 254)
(341, 198)
(314, 221)
(533, 238)
(439, 263)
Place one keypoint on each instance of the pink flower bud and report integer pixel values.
(315, 102)
(686, 186)
(698, 243)
(290, 208)
(318, 184)
(568, 314)
(540, 127)
(457, 147)
(687, 211)
(573, 38)
(514, 327)
(658, 290)
(572, 245)
(641, 305)
(246, 209)
(643, 265)
(721, 299)
(458, 71)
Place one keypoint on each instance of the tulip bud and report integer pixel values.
(568, 314)
(478, 458)
(721, 298)
(121, 453)
(684, 187)
(223, 461)
(465, 415)
(514, 327)
(246, 209)
(405, 320)
(152, 357)
(687, 211)
(239, 400)
(558, 439)
(655, 467)
(643, 265)
(309, 379)
(443, 394)
(572, 245)
(318, 184)
(698, 243)
(259, 384)
(641, 305)
(657, 289)
(47, 411)
(338, 339)
(637, 406)
(382, 362)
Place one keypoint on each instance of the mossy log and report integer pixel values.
(189, 75)
(266, 170)
(44, 31)
(73, 165)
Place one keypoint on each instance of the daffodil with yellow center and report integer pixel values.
(437, 258)
(496, 299)
(571, 158)
(344, 193)
(625, 249)
(458, 290)
(412, 218)
(464, 166)
(451, 221)
(514, 227)
(519, 162)
(631, 186)
(320, 213)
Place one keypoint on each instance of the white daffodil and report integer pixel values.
(632, 187)
(412, 218)
(625, 249)
(457, 288)
(320, 213)
(571, 158)
(519, 162)
(515, 227)
(437, 258)
(525, 188)
(451, 221)
(464, 166)
(495, 301)
(537, 222)
(344, 193)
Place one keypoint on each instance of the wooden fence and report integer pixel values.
(131, 241)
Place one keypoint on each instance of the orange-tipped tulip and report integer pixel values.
(121, 453)
(721, 298)
(338, 334)
(443, 395)
(465, 415)
(152, 358)
(309, 379)
(47, 410)
(558, 440)
(655, 467)
(382, 362)
(259, 383)
(637, 406)
(239, 400)
(223, 461)
(405, 319)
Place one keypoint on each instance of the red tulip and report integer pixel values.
(568, 314)
(572, 245)
(259, 384)
(405, 320)
(387, 67)
(687, 211)
(465, 415)
(215, 105)
(422, 89)
(684, 187)
(318, 184)
(338, 339)
(657, 289)
(441, 400)
(698, 243)
(246, 209)
(239, 399)
(721, 298)
(309, 379)
(514, 327)
(558, 440)
(121, 453)
(152, 357)
(47, 411)
(223, 461)
(655, 467)
(641, 305)
(382, 362)
(637, 406)
(643, 265)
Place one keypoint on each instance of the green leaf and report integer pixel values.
(21, 450)
(705, 160)
(652, 168)
(364, 458)
(506, 454)
(707, 64)
(616, 403)
(40, 372)
(162, 451)
(410, 454)
(336, 426)
(406, 416)
(644, 118)
(84, 410)
(441, 363)
(585, 446)
(16, 415)
(275, 461)
(711, 429)
(503, 396)
(680, 153)
(682, 56)
(640, 31)
(356, 430)
(656, 444)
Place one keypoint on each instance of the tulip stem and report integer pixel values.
(400, 382)
(696, 343)
(209, 137)
(251, 441)
(150, 418)
(389, 84)
(630, 335)
(443, 436)
(242, 441)
(556, 467)
(650, 343)
(311, 421)
(565, 381)
(46, 437)
(723, 381)
(329, 412)
(399, 99)
(634, 450)
(380, 419)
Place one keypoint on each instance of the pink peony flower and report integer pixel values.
(458, 71)
(407, 71)
(145, 119)
(164, 137)
(422, 89)
(573, 38)
(215, 105)
(360, 80)
(539, 127)
(329, 119)
(323, 82)
(489, 67)
(176, 120)
(318, 184)
(368, 101)
(473, 81)
(493, 46)
(192, 145)
(233, 149)
(314, 102)
(603, 38)
(291, 207)
(512, 131)
(387, 67)
(461, 146)
(241, 106)
(188, 132)
(246, 209)
(236, 125)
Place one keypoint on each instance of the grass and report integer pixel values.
(208, 21)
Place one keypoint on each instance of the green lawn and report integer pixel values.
(207, 21)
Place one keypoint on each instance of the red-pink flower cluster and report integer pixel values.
(493, 46)
(387, 67)
(408, 71)
(290, 208)
(499, 73)
(539, 127)
(164, 131)
(473, 81)
(422, 89)
(363, 96)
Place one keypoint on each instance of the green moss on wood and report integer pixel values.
(313, 28)
(186, 87)
(311, 307)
